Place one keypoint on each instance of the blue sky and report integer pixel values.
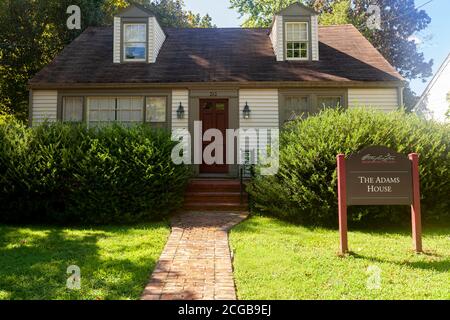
(434, 41)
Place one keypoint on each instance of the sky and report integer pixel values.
(434, 41)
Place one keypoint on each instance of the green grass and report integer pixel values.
(278, 260)
(115, 262)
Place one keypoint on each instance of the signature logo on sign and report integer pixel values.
(383, 158)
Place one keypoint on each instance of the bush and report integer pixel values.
(305, 188)
(64, 173)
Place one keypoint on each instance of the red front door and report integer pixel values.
(214, 115)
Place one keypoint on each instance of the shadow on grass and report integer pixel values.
(33, 264)
(439, 266)
(429, 229)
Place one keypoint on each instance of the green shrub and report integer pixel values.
(305, 188)
(71, 174)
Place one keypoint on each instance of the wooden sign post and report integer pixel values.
(379, 176)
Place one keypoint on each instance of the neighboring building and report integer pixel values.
(137, 72)
(434, 102)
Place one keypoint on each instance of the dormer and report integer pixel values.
(295, 34)
(138, 37)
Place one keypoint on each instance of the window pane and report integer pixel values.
(135, 51)
(297, 31)
(328, 102)
(156, 109)
(220, 106)
(101, 109)
(297, 50)
(129, 109)
(135, 32)
(296, 107)
(73, 109)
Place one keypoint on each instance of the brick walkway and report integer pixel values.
(196, 262)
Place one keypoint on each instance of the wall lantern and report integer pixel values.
(180, 112)
(246, 111)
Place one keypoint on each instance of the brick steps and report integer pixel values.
(220, 197)
(215, 195)
(216, 206)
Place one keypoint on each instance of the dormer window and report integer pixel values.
(134, 42)
(297, 41)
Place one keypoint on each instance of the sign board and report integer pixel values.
(378, 176)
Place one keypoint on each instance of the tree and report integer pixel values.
(334, 14)
(399, 21)
(33, 32)
(197, 21)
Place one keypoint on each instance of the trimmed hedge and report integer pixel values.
(63, 173)
(305, 188)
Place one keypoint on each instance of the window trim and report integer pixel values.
(123, 42)
(307, 41)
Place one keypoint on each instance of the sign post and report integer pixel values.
(415, 206)
(378, 176)
(342, 199)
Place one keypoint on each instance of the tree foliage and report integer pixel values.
(33, 32)
(399, 21)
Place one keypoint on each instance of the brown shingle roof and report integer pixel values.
(218, 55)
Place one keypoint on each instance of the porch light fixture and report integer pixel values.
(246, 111)
(180, 112)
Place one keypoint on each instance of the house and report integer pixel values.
(229, 78)
(435, 100)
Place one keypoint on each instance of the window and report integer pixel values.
(156, 109)
(130, 110)
(329, 102)
(127, 110)
(101, 110)
(296, 107)
(297, 41)
(134, 42)
(72, 109)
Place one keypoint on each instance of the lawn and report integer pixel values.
(286, 261)
(115, 262)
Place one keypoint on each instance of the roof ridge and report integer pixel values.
(219, 28)
(337, 25)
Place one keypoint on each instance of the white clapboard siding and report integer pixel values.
(384, 99)
(276, 36)
(117, 40)
(160, 37)
(263, 105)
(151, 40)
(177, 97)
(44, 106)
(315, 38)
